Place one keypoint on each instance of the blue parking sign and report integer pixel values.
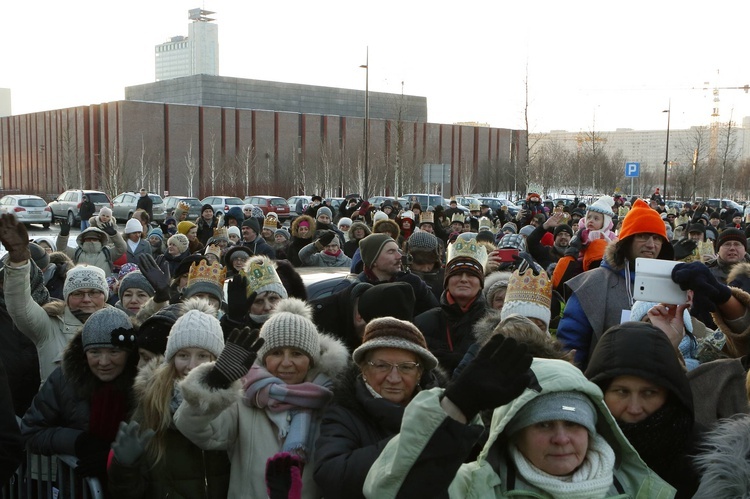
(632, 169)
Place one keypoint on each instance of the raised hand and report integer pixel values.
(129, 446)
(240, 351)
(498, 374)
(157, 276)
(15, 238)
(237, 299)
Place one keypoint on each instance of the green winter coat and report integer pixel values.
(479, 480)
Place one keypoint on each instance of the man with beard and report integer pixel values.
(547, 255)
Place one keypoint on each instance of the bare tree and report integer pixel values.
(72, 160)
(213, 162)
(114, 176)
(466, 178)
(728, 153)
(191, 168)
(246, 163)
(696, 147)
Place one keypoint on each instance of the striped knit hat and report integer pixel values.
(290, 325)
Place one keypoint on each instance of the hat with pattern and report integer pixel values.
(529, 294)
(423, 241)
(261, 275)
(180, 241)
(290, 325)
(205, 278)
(84, 276)
(389, 332)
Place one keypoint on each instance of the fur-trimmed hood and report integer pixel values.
(380, 226)
(485, 326)
(355, 226)
(55, 308)
(59, 258)
(724, 464)
(297, 221)
(740, 272)
(103, 237)
(146, 377)
(78, 374)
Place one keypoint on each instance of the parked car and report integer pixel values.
(725, 204)
(497, 203)
(68, 203)
(334, 203)
(28, 209)
(171, 202)
(425, 200)
(270, 204)
(123, 206)
(298, 205)
(222, 204)
(466, 200)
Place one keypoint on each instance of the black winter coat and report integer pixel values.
(11, 443)
(353, 432)
(335, 314)
(448, 330)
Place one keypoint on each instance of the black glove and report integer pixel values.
(157, 276)
(92, 453)
(64, 228)
(708, 291)
(15, 238)
(498, 374)
(109, 228)
(326, 238)
(574, 247)
(237, 298)
(284, 476)
(238, 355)
(129, 446)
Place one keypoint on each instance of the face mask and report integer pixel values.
(92, 247)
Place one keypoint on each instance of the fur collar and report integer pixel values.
(297, 221)
(485, 326)
(146, 377)
(334, 358)
(358, 225)
(55, 308)
(724, 466)
(610, 254)
(739, 270)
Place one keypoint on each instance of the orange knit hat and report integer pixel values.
(642, 218)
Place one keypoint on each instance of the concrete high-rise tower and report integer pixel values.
(198, 53)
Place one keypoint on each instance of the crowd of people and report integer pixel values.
(466, 355)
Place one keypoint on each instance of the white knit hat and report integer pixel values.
(195, 329)
(179, 240)
(604, 205)
(345, 221)
(85, 277)
(290, 325)
(379, 216)
(105, 211)
(132, 226)
(234, 230)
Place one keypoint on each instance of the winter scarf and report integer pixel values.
(290, 407)
(388, 414)
(662, 437)
(592, 479)
(109, 406)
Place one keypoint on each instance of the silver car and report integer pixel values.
(222, 204)
(28, 209)
(126, 203)
(66, 206)
(194, 211)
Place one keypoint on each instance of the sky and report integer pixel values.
(588, 66)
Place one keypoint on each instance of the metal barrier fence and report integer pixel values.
(50, 477)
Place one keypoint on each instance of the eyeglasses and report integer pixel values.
(405, 368)
(81, 294)
(643, 237)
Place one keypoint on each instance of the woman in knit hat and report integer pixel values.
(79, 407)
(177, 251)
(495, 289)
(270, 426)
(448, 328)
(234, 235)
(551, 435)
(133, 292)
(235, 259)
(155, 238)
(356, 233)
(390, 367)
(151, 457)
(302, 233)
(281, 241)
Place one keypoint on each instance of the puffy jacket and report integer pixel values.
(98, 259)
(184, 471)
(218, 420)
(427, 457)
(353, 432)
(60, 412)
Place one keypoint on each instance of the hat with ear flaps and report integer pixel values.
(604, 206)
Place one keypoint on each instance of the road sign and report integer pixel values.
(632, 169)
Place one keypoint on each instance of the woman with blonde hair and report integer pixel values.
(151, 457)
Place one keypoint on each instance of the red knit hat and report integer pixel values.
(642, 218)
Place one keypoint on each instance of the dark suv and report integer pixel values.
(68, 203)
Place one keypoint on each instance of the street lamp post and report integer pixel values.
(366, 66)
(666, 154)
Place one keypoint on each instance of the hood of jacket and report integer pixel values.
(77, 371)
(236, 213)
(295, 226)
(723, 465)
(392, 226)
(103, 237)
(739, 276)
(639, 349)
(334, 358)
(558, 376)
(355, 226)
